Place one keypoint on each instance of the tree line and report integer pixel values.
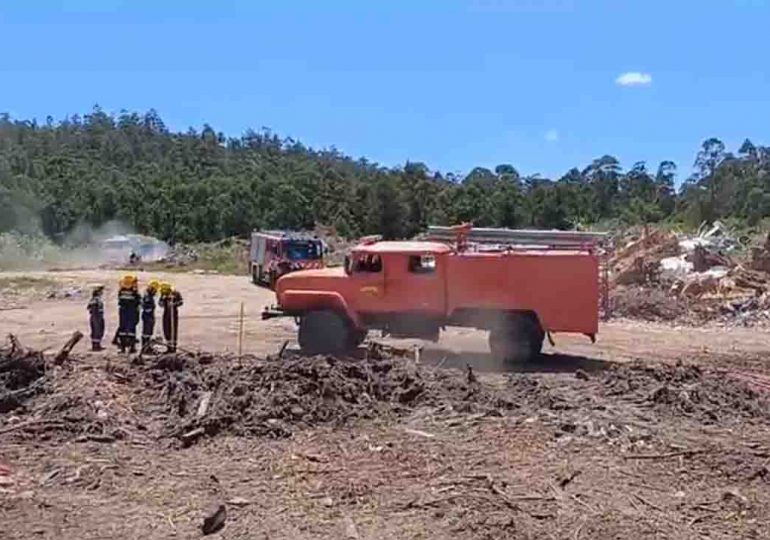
(202, 186)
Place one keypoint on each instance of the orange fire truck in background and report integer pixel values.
(273, 254)
(520, 285)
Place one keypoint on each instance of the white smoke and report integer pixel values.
(86, 246)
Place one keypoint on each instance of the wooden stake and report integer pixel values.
(240, 334)
(65, 351)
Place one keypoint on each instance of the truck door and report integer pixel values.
(259, 255)
(415, 283)
(368, 281)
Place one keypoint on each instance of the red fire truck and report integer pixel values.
(273, 254)
(521, 285)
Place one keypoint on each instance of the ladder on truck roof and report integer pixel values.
(592, 242)
(529, 238)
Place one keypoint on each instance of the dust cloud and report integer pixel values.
(85, 246)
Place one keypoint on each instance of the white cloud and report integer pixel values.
(551, 135)
(634, 78)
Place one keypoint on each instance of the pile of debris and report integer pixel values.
(759, 258)
(22, 375)
(686, 389)
(46, 397)
(643, 396)
(639, 261)
(648, 303)
(274, 397)
(189, 396)
(699, 273)
(180, 255)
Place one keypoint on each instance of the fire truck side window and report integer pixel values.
(368, 263)
(422, 264)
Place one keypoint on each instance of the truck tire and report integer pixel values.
(517, 339)
(325, 332)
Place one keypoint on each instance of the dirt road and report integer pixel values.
(210, 321)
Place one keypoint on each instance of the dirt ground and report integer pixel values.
(617, 439)
(210, 320)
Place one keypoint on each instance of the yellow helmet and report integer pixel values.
(129, 281)
(154, 284)
(166, 288)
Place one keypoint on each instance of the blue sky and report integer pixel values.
(452, 83)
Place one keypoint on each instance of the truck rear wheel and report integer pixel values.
(325, 332)
(517, 339)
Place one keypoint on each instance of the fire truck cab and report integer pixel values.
(273, 254)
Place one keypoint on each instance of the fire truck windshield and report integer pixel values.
(303, 250)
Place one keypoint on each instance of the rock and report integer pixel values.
(297, 411)
(215, 520)
(582, 375)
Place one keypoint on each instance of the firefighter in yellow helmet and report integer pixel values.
(171, 301)
(148, 313)
(128, 312)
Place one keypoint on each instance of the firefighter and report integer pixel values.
(171, 301)
(148, 313)
(128, 313)
(96, 317)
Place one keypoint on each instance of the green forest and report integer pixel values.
(201, 186)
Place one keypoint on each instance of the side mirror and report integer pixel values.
(348, 266)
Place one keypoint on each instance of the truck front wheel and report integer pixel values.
(516, 339)
(324, 332)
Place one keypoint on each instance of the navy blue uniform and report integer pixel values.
(128, 318)
(96, 321)
(171, 304)
(148, 318)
